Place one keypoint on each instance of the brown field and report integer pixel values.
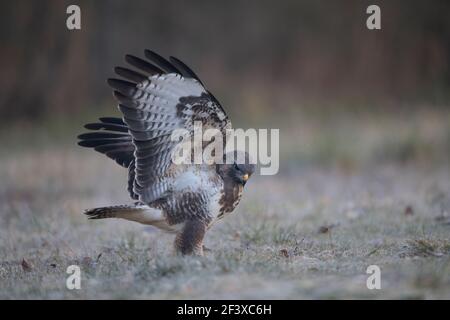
(349, 194)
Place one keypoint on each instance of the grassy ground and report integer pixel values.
(309, 232)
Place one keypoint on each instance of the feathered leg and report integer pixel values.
(189, 241)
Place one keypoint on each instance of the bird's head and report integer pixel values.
(240, 170)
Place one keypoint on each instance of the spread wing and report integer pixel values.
(156, 98)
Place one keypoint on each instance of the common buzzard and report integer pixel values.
(156, 98)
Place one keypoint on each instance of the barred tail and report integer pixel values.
(109, 212)
(134, 212)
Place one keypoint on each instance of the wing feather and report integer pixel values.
(110, 137)
(185, 70)
(107, 126)
(155, 99)
(130, 75)
(160, 61)
(142, 65)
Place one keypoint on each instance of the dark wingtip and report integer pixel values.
(143, 65)
(113, 127)
(150, 53)
(130, 75)
(119, 96)
(187, 72)
(111, 120)
(89, 126)
(82, 136)
(130, 58)
(125, 87)
(113, 82)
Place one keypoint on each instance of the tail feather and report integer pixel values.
(135, 212)
(109, 212)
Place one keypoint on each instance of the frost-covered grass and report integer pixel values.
(309, 232)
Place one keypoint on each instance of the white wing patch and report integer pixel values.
(188, 180)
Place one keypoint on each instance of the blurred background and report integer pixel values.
(340, 92)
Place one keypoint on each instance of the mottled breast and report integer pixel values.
(195, 194)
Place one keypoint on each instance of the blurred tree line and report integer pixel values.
(282, 52)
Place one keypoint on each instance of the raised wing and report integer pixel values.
(157, 98)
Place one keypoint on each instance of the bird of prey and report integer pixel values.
(157, 96)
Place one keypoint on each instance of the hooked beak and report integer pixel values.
(245, 177)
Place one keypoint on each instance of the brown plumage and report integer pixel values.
(161, 96)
